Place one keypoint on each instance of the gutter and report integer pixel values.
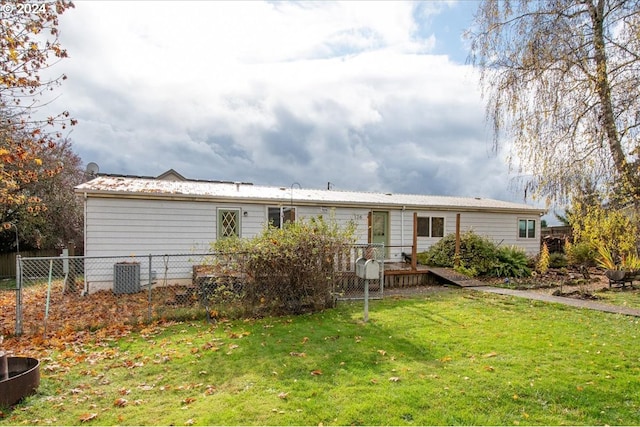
(298, 202)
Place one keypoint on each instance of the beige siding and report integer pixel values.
(136, 226)
(141, 227)
(342, 217)
(501, 228)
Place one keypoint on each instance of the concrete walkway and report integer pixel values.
(588, 304)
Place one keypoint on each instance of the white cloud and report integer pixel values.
(276, 93)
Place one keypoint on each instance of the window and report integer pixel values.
(527, 228)
(228, 223)
(423, 226)
(430, 226)
(277, 217)
(437, 227)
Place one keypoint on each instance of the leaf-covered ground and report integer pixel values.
(71, 317)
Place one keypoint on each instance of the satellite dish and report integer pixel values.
(92, 169)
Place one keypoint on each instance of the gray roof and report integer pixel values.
(244, 192)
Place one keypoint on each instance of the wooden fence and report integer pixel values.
(8, 260)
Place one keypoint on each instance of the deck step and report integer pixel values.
(455, 278)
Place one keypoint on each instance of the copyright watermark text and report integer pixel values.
(23, 8)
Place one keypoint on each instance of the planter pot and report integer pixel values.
(615, 275)
(23, 378)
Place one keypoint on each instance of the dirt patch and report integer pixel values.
(571, 283)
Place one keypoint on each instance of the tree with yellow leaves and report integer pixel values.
(561, 80)
(28, 45)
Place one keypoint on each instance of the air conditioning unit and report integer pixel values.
(126, 278)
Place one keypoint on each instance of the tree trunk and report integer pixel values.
(628, 177)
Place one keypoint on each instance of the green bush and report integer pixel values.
(288, 270)
(467, 271)
(511, 262)
(557, 260)
(580, 254)
(478, 256)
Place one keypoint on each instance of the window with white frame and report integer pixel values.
(228, 223)
(279, 216)
(526, 228)
(430, 226)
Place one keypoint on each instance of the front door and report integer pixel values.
(380, 228)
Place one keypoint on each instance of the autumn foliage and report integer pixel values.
(28, 47)
(287, 270)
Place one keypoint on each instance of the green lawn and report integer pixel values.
(627, 296)
(451, 357)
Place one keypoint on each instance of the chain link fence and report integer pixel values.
(8, 305)
(54, 294)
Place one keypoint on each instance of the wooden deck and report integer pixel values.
(399, 275)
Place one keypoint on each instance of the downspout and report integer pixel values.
(402, 229)
(85, 291)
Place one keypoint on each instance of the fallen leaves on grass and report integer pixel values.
(73, 320)
(294, 354)
(235, 335)
(120, 402)
(84, 418)
(210, 346)
(283, 395)
(316, 372)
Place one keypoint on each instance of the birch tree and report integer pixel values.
(561, 82)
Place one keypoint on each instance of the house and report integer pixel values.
(170, 214)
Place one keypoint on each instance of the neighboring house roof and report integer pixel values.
(113, 186)
(171, 175)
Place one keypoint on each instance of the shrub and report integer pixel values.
(288, 270)
(467, 271)
(511, 262)
(476, 252)
(606, 260)
(557, 260)
(543, 260)
(598, 226)
(580, 254)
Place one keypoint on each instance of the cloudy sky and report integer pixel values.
(370, 96)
